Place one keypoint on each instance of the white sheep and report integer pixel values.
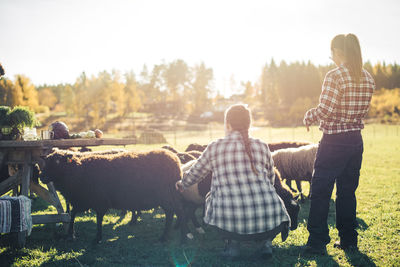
(296, 164)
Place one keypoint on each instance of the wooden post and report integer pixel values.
(44, 194)
(58, 205)
(53, 192)
(51, 218)
(26, 174)
(10, 182)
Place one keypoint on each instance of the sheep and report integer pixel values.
(126, 180)
(170, 148)
(194, 153)
(296, 164)
(196, 195)
(196, 147)
(190, 206)
(82, 152)
(185, 157)
(287, 144)
(292, 206)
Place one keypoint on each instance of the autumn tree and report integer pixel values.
(269, 97)
(133, 97)
(29, 93)
(201, 88)
(47, 98)
(177, 78)
(6, 92)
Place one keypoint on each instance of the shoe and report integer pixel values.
(312, 250)
(346, 247)
(231, 249)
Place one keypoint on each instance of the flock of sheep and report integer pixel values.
(136, 181)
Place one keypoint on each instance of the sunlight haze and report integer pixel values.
(54, 41)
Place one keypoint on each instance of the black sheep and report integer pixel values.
(170, 148)
(194, 153)
(185, 157)
(196, 147)
(292, 206)
(126, 181)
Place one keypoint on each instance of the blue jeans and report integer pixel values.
(338, 159)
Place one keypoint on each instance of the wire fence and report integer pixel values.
(183, 134)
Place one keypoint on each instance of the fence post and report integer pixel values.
(175, 136)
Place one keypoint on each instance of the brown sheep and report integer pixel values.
(126, 181)
(196, 147)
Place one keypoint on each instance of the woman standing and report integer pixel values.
(242, 203)
(344, 102)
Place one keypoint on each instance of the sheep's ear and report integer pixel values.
(41, 162)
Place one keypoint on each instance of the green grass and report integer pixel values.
(378, 213)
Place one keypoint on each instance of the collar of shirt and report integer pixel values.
(234, 135)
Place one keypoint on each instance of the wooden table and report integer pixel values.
(27, 154)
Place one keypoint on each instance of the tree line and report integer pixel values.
(281, 95)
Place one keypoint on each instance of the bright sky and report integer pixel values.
(54, 41)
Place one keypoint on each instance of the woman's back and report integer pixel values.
(354, 98)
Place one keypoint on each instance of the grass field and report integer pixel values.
(378, 214)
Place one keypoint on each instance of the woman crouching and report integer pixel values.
(242, 203)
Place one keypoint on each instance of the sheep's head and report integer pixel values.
(55, 162)
(185, 157)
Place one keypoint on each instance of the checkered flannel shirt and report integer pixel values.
(343, 103)
(239, 201)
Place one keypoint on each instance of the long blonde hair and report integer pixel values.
(239, 117)
(350, 46)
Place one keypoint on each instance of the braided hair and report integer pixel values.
(239, 118)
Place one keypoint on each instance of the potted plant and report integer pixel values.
(15, 120)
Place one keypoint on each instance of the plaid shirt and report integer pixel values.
(239, 201)
(343, 103)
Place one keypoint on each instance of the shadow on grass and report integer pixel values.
(122, 243)
(357, 258)
(138, 245)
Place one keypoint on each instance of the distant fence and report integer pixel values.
(180, 134)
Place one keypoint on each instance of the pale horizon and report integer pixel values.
(53, 42)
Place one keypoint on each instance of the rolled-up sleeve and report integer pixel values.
(199, 170)
(328, 100)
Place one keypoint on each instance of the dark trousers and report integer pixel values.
(338, 159)
(270, 235)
